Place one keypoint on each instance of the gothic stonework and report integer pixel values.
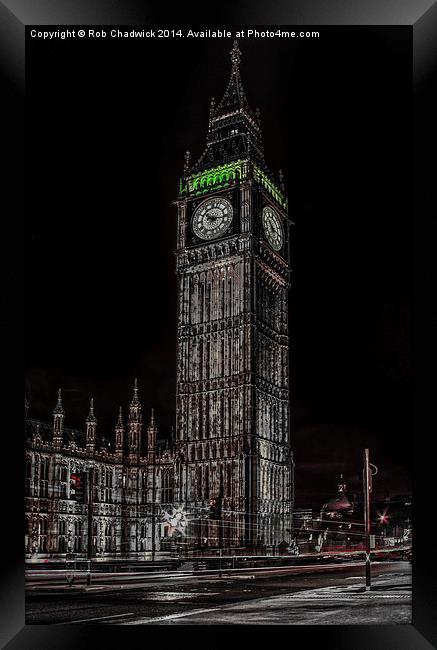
(233, 404)
(233, 421)
(131, 490)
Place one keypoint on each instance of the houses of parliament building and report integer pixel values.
(227, 479)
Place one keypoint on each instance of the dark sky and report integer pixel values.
(108, 123)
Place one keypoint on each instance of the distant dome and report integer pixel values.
(338, 503)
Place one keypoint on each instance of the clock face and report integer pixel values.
(212, 218)
(273, 228)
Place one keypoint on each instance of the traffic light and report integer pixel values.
(77, 487)
(215, 508)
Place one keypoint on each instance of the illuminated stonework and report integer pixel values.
(132, 488)
(232, 427)
(232, 389)
(222, 176)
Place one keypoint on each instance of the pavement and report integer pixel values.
(388, 602)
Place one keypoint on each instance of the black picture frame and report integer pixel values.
(422, 18)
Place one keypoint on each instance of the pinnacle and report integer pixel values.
(59, 409)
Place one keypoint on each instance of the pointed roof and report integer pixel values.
(234, 131)
(59, 409)
(91, 419)
(234, 97)
(135, 401)
(152, 424)
(119, 425)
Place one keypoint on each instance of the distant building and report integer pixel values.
(339, 506)
(131, 487)
(340, 525)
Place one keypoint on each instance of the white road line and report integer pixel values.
(169, 617)
(97, 618)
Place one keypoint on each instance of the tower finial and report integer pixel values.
(59, 409)
(119, 433)
(91, 417)
(135, 395)
(235, 56)
(152, 419)
(186, 161)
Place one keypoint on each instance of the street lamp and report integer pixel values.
(367, 488)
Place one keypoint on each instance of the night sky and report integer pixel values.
(108, 123)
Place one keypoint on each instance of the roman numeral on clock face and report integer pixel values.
(212, 218)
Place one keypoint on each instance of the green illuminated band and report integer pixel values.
(223, 175)
(262, 178)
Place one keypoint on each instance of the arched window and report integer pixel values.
(229, 480)
(199, 483)
(43, 530)
(28, 476)
(96, 485)
(27, 534)
(207, 482)
(77, 543)
(108, 538)
(44, 473)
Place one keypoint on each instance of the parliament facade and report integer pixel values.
(228, 478)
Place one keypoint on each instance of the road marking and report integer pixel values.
(97, 618)
(169, 617)
(331, 596)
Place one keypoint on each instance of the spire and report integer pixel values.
(151, 438)
(59, 409)
(37, 434)
(135, 401)
(234, 97)
(186, 161)
(119, 433)
(58, 422)
(135, 419)
(233, 132)
(235, 57)
(91, 427)
(120, 419)
(91, 419)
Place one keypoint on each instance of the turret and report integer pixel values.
(58, 422)
(91, 427)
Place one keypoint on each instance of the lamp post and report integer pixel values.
(367, 487)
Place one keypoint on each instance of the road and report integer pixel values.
(283, 595)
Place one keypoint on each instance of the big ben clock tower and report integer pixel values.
(235, 465)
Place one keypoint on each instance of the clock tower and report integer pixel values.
(234, 459)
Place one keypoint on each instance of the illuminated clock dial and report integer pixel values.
(212, 218)
(273, 228)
